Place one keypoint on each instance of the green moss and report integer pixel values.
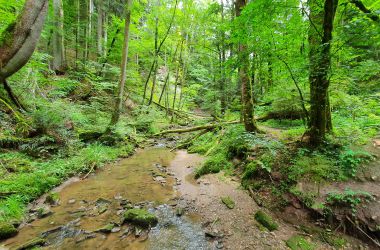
(6, 36)
(106, 229)
(249, 170)
(214, 164)
(266, 220)
(7, 230)
(52, 198)
(228, 202)
(298, 242)
(332, 240)
(140, 217)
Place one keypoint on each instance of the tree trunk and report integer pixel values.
(156, 66)
(59, 59)
(246, 90)
(120, 89)
(320, 37)
(22, 37)
(77, 33)
(89, 28)
(158, 48)
(100, 30)
(222, 85)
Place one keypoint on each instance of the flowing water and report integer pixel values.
(86, 205)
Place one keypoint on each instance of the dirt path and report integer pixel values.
(232, 228)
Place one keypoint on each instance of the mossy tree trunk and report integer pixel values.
(59, 59)
(123, 77)
(246, 86)
(19, 40)
(322, 15)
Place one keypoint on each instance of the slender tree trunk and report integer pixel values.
(156, 66)
(100, 30)
(320, 37)
(89, 28)
(177, 79)
(223, 66)
(77, 33)
(164, 87)
(59, 59)
(246, 90)
(157, 51)
(120, 89)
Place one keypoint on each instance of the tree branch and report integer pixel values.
(364, 9)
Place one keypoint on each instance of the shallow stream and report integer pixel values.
(144, 180)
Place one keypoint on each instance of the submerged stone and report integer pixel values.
(228, 202)
(140, 217)
(7, 230)
(266, 220)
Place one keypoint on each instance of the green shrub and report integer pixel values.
(214, 164)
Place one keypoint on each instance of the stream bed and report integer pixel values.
(86, 206)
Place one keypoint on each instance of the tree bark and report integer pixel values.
(320, 63)
(20, 38)
(100, 30)
(120, 89)
(59, 60)
(246, 90)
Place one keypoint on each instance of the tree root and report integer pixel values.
(13, 97)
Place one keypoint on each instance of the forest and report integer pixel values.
(190, 124)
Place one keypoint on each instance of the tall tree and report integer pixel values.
(320, 36)
(100, 28)
(59, 59)
(246, 86)
(123, 67)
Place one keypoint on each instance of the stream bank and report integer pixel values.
(88, 213)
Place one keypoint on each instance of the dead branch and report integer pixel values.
(197, 128)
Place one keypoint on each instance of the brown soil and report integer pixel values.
(236, 227)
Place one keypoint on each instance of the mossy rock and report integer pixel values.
(89, 136)
(228, 202)
(32, 244)
(52, 199)
(298, 242)
(266, 220)
(106, 229)
(140, 217)
(7, 231)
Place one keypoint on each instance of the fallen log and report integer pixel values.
(197, 128)
(282, 115)
(181, 112)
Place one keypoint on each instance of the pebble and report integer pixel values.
(71, 201)
(115, 230)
